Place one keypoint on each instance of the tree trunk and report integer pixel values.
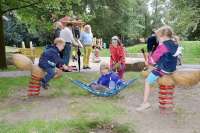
(2, 45)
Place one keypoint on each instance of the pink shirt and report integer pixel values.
(160, 50)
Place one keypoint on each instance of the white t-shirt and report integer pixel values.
(67, 35)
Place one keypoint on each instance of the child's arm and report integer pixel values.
(161, 50)
(57, 59)
(112, 59)
(65, 67)
(123, 56)
(81, 37)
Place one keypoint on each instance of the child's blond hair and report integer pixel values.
(165, 31)
(176, 39)
(104, 65)
(59, 41)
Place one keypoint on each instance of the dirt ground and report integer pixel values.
(185, 119)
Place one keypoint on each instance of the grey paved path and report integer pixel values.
(94, 67)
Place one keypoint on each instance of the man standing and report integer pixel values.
(152, 43)
(67, 35)
(58, 28)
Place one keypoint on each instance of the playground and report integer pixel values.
(68, 108)
(99, 66)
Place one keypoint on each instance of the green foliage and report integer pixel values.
(184, 16)
(39, 15)
(124, 18)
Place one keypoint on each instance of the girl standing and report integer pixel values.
(117, 56)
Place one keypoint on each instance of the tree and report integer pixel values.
(35, 14)
(2, 45)
(8, 6)
(184, 17)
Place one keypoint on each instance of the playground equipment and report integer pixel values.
(22, 62)
(32, 53)
(167, 84)
(37, 71)
(106, 93)
(137, 66)
(34, 86)
(166, 94)
(36, 76)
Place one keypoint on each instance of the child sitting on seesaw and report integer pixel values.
(164, 60)
(50, 61)
(107, 80)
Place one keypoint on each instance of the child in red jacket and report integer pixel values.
(117, 56)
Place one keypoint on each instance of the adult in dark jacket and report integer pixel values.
(152, 43)
(58, 28)
(51, 59)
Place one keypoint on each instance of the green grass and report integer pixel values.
(133, 49)
(87, 111)
(9, 68)
(59, 87)
(191, 52)
(9, 86)
(69, 126)
(96, 108)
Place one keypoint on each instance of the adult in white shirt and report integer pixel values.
(67, 35)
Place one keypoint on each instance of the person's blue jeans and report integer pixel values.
(67, 53)
(50, 74)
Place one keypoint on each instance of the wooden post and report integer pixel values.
(23, 44)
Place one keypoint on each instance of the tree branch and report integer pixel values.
(20, 7)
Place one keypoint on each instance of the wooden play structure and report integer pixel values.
(168, 83)
(32, 53)
(22, 62)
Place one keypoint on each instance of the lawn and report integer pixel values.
(9, 68)
(98, 113)
(8, 86)
(191, 52)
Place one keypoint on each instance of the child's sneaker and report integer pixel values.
(143, 106)
(44, 86)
